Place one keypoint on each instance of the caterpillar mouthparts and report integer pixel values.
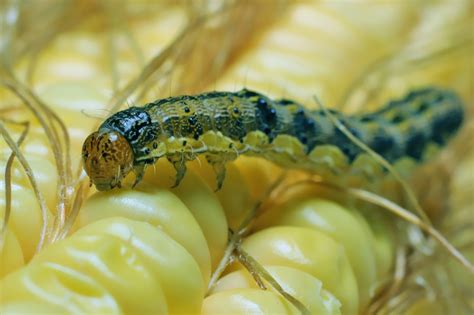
(107, 158)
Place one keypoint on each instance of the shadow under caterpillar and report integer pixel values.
(223, 125)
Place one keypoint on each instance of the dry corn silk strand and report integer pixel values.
(320, 242)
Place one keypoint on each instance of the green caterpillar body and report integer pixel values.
(224, 125)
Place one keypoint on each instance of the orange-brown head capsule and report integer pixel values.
(108, 158)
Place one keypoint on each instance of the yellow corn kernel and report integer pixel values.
(301, 285)
(11, 254)
(382, 239)
(32, 308)
(247, 301)
(200, 200)
(34, 146)
(159, 207)
(25, 218)
(234, 195)
(44, 173)
(259, 175)
(167, 261)
(310, 251)
(56, 287)
(112, 263)
(338, 223)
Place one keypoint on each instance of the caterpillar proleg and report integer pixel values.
(224, 125)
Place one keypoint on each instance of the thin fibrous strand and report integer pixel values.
(157, 61)
(152, 83)
(412, 64)
(396, 283)
(411, 218)
(24, 93)
(9, 28)
(81, 189)
(257, 271)
(80, 195)
(420, 287)
(462, 299)
(115, 16)
(8, 182)
(6, 109)
(401, 303)
(386, 64)
(432, 276)
(140, 56)
(53, 135)
(234, 238)
(54, 140)
(224, 262)
(29, 172)
(255, 210)
(399, 211)
(379, 159)
(111, 45)
(154, 64)
(58, 16)
(65, 136)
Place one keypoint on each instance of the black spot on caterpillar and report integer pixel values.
(223, 125)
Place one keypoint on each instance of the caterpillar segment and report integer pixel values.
(224, 125)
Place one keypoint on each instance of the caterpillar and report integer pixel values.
(223, 125)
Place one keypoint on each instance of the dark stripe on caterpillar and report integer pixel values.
(401, 128)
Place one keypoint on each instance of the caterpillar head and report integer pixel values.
(108, 158)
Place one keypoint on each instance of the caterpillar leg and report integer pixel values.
(329, 161)
(364, 172)
(218, 163)
(139, 170)
(179, 164)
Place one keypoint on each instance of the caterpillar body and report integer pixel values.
(223, 125)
